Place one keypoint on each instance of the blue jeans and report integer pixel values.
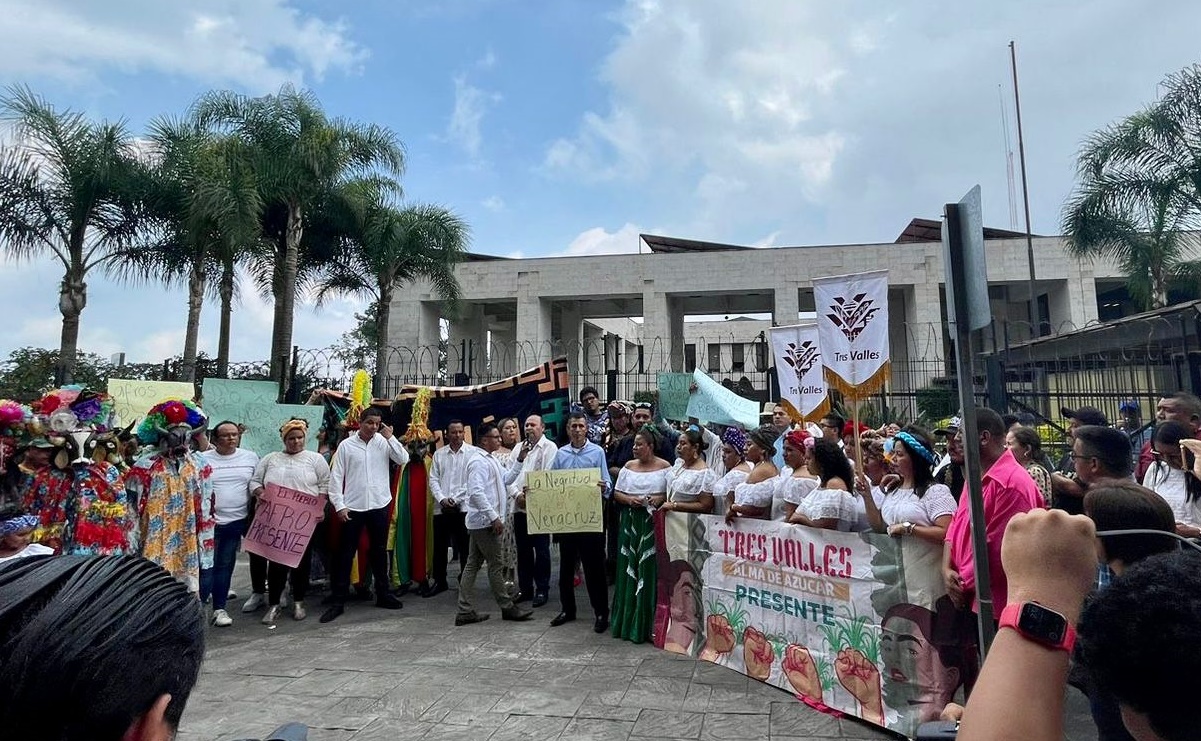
(215, 581)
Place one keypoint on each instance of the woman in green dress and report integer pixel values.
(641, 486)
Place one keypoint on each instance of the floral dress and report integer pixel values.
(175, 511)
(633, 611)
(82, 511)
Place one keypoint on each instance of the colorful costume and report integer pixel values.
(174, 493)
(80, 500)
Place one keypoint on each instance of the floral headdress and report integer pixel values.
(360, 398)
(419, 430)
(170, 413)
(72, 408)
(14, 419)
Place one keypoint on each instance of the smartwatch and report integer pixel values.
(1039, 624)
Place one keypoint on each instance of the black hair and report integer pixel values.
(1009, 420)
(91, 643)
(650, 435)
(923, 470)
(217, 426)
(989, 421)
(454, 422)
(835, 420)
(1124, 505)
(1028, 436)
(832, 463)
(1109, 446)
(485, 428)
(1171, 433)
(371, 412)
(1137, 640)
(696, 439)
(589, 390)
(577, 415)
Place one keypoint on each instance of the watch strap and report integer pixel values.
(1011, 618)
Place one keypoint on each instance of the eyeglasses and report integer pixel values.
(1082, 457)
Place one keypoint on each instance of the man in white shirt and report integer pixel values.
(232, 469)
(537, 453)
(485, 502)
(360, 491)
(448, 486)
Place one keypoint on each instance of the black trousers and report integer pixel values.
(450, 526)
(376, 523)
(612, 514)
(588, 548)
(533, 557)
(278, 575)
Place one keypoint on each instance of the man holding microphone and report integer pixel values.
(537, 453)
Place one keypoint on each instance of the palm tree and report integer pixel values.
(387, 247)
(203, 204)
(297, 155)
(1139, 194)
(67, 190)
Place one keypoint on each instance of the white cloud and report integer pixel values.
(598, 241)
(471, 103)
(493, 203)
(488, 61)
(257, 44)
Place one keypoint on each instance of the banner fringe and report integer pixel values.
(859, 392)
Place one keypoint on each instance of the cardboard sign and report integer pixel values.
(564, 501)
(712, 402)
(673, 395)
(133, 399)
(283, 524)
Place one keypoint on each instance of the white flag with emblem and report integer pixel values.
(800, 372)
(852, 323)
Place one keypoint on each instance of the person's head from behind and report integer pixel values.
(1124, 505)
(104, 648)
(1101, 453)
(1137, 640)
(827, 461)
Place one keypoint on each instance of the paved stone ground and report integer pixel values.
(411, 674)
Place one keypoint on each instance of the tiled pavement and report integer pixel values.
(411, 674)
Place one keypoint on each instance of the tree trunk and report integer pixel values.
(285, 297)
(72, 298)
(227, 307)
(1159, 288)
(187, 364)
(383, 310)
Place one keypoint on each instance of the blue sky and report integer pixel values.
(568, 127)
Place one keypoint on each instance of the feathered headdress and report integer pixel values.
(360, 398)
(419, 430)
(170, 413)
(73, 408)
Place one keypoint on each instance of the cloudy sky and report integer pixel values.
(569, 126)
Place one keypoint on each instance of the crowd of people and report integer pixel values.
(181, 493)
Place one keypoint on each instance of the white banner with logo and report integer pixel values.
(800, 371)
(852, 322)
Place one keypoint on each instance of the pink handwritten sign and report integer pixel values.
(283, 524)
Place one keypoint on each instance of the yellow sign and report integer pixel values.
(564, 501)
(134, 398)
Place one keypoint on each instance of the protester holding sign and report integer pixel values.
(304, 471)
(641, 485)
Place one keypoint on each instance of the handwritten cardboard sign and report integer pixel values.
(712, 402)
(673, 395)
(283, 524)
(133, 399)
(564, 501)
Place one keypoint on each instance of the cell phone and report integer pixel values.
(937, 729)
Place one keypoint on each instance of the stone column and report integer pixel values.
(413, 336)
(662, 331)
(533, 322)
(786, 305)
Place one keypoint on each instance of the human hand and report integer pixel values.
(954, 584)
(450, 503)
(603, 487)
(861, 484)
(896, 530)
(521, 500)
(1194, 447)
(1187, 531)
(344, 514)
(667, 507)
(890, 480)
(757, 654)
(1050, 557)
(861, 678)
(385, 430)
(801, 672)
(719, 637)
(498, 526)
(953, 711)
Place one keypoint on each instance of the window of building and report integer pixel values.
(714, 359)
(690, 357)
(738, 358)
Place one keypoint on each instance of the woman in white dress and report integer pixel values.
(690, 481)
(830, 506)
(795, 480)
(753, 497)
(917, 506)
(641, 485)
(733, 457)
(1169, 477)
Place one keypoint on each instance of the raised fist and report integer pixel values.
(719, 637)
(802, 673)
(757, 654)
(861, 678)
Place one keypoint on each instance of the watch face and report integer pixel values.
(1042, 624)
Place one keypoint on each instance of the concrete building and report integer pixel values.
(625, 314)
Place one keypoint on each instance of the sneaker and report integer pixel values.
(221, 619)
(298, 612)
(272, 613)
(257, 600)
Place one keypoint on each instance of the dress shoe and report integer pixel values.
(539, 600)
(516, 613)
(561, 619)
(360, 594)
(601, 624)
(388, 602)
(331, 614)
(522, 597)
(469, 618)
(436, 590)
(402, 590)
(422, 588)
